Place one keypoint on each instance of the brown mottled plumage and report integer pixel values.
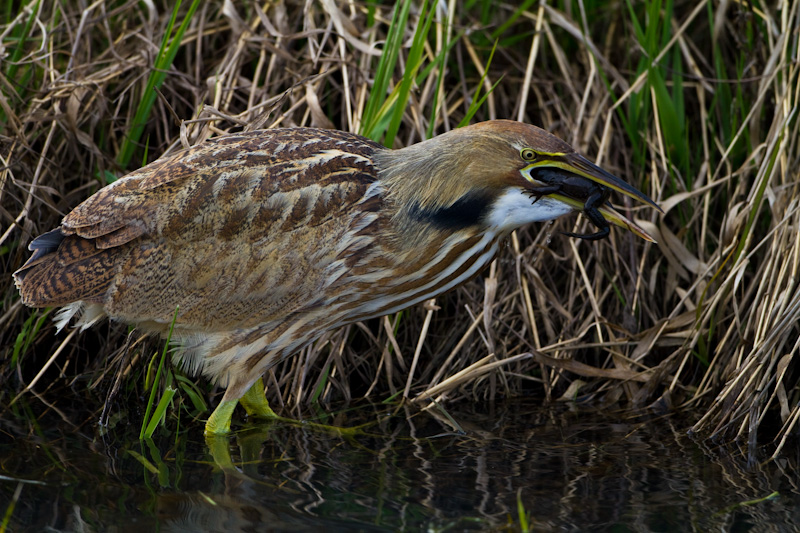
(265, 240)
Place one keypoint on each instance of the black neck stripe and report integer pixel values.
(465, 212)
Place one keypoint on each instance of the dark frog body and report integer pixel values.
(591, 193)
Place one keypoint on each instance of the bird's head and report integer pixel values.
(503, 174)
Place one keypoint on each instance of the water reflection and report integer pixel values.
(407, 471)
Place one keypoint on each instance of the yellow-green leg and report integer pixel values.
(255, 401)
(219, 423)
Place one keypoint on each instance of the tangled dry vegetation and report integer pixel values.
(694, 103)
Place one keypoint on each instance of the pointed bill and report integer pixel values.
(577, 164)
(609, 213)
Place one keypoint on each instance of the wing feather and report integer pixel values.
(233, 230)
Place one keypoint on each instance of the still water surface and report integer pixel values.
(408, 470)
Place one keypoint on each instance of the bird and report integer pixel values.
(252, 245)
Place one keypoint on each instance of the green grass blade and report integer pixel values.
(386, 66)
(22, 38)
(412, 66)
(150, 467)
(524, 6)
(323, 381)
(157, 380)
(166, 55)
(439, 63)
(524, 516)
(10, 509)
(25, 337)
(160, 411)
(19, 40)
(189, 388)
(478, 102)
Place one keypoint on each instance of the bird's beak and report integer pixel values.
(578, 165)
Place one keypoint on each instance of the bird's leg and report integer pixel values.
(255, 401)
(591, 212)
(219, 423)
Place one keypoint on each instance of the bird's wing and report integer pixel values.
(214, 176)
(240, 223)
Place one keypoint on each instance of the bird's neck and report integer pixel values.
(439, 173)
(457, 183)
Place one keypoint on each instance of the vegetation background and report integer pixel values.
(694, 103)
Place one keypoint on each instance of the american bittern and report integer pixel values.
(264, 240)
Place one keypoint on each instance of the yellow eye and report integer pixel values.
(528, 154)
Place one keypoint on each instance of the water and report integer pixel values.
(408, 470)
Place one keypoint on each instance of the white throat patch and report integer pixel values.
(514, 208)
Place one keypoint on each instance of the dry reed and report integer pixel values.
(696, 104)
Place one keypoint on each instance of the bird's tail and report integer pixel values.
(64, 270)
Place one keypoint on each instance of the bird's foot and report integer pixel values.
(219, 423)
(256, 404)
(255, 401)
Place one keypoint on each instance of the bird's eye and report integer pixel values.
(528, 154)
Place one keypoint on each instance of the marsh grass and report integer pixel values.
(693, 103)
